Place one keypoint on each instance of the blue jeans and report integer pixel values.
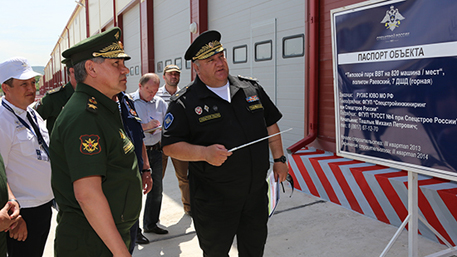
(154, 198)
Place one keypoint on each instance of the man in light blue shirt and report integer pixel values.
(151, 109)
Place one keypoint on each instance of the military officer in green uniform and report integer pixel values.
(9, 214)
(52, 103)
(95, 175)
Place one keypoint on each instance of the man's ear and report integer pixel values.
(5, 88)
(195, 66)
(90, 68)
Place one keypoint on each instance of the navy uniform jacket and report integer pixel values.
(198, 116)
(132, 125)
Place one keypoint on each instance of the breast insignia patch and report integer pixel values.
(252, 99)
(210, 117)
(255, 107)
(90, 144)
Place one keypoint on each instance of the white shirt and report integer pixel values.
(154, 109)
(223, 92)
(164, 94)
(28, 169)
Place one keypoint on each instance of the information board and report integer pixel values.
(395, 80)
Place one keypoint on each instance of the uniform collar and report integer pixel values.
(69, 90)
(101, 98)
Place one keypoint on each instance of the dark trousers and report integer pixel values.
(217, 221)
(133, 233)
(154, 198)
(38, 220)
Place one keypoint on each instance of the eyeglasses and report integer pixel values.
(291, 182)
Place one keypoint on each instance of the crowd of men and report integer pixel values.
(107, 148)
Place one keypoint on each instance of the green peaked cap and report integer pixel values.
(105, 45)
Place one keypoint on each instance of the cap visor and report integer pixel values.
(27, 75)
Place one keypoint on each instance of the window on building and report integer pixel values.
(293, 46)
(178, 62)
(263, 51)
(160, 66)
(240, 54)
(167, 62)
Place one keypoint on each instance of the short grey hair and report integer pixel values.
(80, 68)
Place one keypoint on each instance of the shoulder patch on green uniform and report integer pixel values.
(55, 90)
(180, 93)
(248, 78)
(90, 144)
(91, 105)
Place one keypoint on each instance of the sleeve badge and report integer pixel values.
(168, 120)
(90, 144)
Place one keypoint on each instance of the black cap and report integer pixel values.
(204, 46)
(67, 62)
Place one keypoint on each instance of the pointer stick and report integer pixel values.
(258, 140)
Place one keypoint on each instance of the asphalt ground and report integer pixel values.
(303, 225)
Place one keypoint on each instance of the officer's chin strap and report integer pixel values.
(291, 182)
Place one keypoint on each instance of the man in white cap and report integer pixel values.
(25, 153)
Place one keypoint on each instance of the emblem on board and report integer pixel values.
(206, 108)
(90, 144)
(392, 18)
(91, 105)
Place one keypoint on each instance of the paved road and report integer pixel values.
(303, 225)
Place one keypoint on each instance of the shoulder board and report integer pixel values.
(91, 105)
(248, 78)
(180, 93)
(54, 90)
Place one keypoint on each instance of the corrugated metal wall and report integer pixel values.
(248, 23)
(172, 36)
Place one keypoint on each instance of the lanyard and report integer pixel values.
(35, 130)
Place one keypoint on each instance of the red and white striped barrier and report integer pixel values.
(376, 191)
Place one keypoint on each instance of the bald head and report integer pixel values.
(148, 86)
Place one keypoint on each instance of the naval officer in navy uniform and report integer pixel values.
(214, 113)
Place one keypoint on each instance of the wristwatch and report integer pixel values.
(146, 170)
(281, 159)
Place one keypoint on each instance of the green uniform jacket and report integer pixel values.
(3, 200)
(52, 104)
(89, 140)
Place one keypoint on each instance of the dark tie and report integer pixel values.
(38, 133)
